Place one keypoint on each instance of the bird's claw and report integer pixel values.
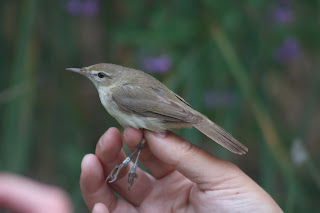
(132, 176)
(116, 170)
(114, 173)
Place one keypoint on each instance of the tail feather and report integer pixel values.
(220, 136)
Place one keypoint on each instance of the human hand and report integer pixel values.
(23, 195)
(184, 178)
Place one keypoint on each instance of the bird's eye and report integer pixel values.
(101, 75)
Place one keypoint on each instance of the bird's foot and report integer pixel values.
(132, 176)
(115, 171)
(132, 173)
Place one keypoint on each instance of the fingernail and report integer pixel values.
(102, 139)
(160, 134)
(101, 142)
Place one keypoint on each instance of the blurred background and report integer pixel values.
(251, 66)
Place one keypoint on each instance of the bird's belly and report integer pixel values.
(137, 121)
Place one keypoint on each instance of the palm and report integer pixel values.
(175, 193)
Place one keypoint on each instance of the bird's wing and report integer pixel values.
(149, 103)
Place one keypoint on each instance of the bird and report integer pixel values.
(136, 99)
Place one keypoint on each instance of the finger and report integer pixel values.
(100, 208)
(193, 162)
(110, 154)
(20, 194)
(109, 151)
(132, 137)
(92, 183)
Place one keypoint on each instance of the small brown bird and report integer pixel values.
(138, 100)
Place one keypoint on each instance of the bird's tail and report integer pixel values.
(220, 136)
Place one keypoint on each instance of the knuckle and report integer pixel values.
(185, 147)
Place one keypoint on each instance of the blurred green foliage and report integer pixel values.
(265, 54)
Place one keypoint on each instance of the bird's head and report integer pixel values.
(102, 75)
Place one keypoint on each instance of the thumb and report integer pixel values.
(193, 162)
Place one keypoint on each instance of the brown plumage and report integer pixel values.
(136, 99)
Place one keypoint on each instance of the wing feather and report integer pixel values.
(148, 103)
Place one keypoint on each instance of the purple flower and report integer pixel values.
(88, 7)
(288, 50)
(91, 7)
(159, 64)
(282, 15)
(215, 99)
(74, 6)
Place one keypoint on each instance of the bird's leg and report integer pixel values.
(132, 174)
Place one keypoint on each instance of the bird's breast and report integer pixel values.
(130, 119)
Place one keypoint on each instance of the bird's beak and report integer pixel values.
(77, 70)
